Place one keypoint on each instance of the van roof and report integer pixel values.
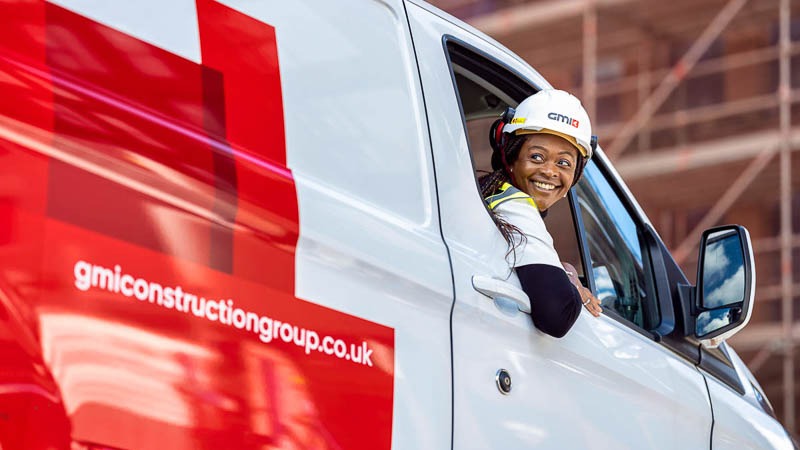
(472, 30)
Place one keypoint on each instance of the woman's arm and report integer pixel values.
(555, 299)
(555, 302)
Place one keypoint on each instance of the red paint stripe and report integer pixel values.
(245, 50)
(25, 99)
(26, 112)
(309, 400)
(224, 167)
(110, 109)
(164, 131)
(254, 125)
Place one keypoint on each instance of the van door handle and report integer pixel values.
(494, 289)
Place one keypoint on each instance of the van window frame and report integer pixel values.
(502, 72)
(715, 363)
(466, 50)
(498, 71)
(648, 258)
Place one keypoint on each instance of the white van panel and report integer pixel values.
(170, 25)
(740, 422)
(740, 425)
(359, 133)
(369, 241)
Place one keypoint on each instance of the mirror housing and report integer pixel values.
(722, 301)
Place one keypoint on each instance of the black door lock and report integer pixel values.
(503, 380)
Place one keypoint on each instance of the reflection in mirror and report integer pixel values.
(723, 270)
(710, 321)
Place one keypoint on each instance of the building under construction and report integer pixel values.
(697, 103)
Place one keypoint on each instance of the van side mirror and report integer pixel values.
(726, 280)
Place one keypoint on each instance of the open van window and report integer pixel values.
(620, 264)
(481, 104)
(485, 89)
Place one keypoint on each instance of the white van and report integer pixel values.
(256, 224)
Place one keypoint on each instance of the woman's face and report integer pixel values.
(545, 168)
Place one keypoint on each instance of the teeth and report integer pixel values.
(545, 186)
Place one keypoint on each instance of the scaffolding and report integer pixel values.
(693, 100)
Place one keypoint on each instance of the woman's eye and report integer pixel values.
(565, 163)
(537, 157)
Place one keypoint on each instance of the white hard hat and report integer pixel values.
(552, 111)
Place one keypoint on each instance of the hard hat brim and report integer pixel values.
(581, 149)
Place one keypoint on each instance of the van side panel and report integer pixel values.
(742, 420)
(358, 146)
(740, 424)
(147, 248)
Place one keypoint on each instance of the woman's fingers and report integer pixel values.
(591, 303)
(596, 309)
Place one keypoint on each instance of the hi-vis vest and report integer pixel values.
(507, 192)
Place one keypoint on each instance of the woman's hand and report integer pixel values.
(589, 301)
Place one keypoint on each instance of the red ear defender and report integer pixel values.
(496, 135)
(498, 140)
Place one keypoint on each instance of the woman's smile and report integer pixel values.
(545, 168)
(544, 186)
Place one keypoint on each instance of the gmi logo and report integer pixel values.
(563, 118)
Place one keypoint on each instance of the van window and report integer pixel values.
(485, 89)
(619, 260)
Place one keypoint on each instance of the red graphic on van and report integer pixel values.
(117, 153)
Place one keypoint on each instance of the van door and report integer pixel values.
(743, 417)
(608, 383)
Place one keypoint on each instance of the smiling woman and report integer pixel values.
(540, 151)
(545, 168)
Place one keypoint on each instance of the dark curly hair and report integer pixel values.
(491, 182)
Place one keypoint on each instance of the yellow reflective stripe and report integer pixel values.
(533, 203)
(494, 203)
(507, 192)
